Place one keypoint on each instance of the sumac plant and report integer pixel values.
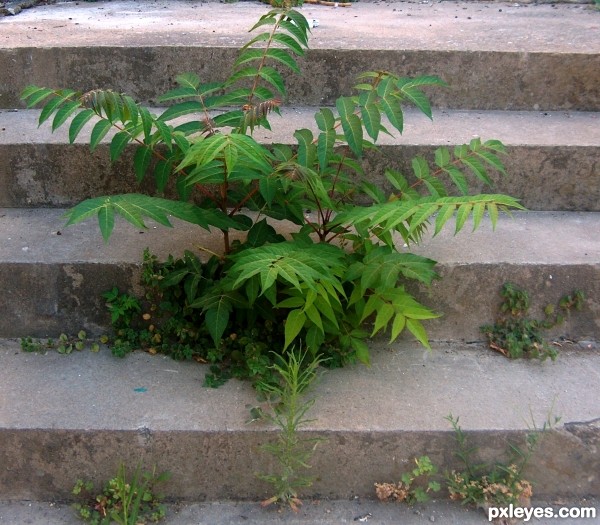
(340, 277)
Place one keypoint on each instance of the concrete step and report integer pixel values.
(313, 512)
(53, 277)
(67, 417)
(494, 56)
(552, 162)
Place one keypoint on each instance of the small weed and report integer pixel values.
(496, 485)
(63, 345)
(288, 412)
(516, 335)
(406, 489)
(124, 501)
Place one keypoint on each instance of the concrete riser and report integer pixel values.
(44, 464)
(478, 79)
(55, 175)
(56, 298)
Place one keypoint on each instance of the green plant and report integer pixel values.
(406, 489)
(515, 335)
(64, 345)
(288, 408)
(124, 500)
(497, 485)
(341, 268)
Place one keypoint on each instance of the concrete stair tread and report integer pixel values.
(85, 390)
(89, 400)
(448, 127)
(39, 235)
(478, 26)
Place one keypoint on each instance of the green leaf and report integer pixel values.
(165, 133)
(492, 160)
(458, 179)
(204, 151)
(273, 77)
(279, 55)
(444, 214)
(101, 128)
(435, 186)
(260, 233)
(396, 179)
(325, 119)
(461, 216)
(393, 111)
(80, 120)
(106, 222)
(371, 119)
(442, 157)
(291, 302)
(118, 144)
(293, 324)
(495, 145)
(252, 289)
(420, 167)
(134, 207)
(217, 319)
(421, 215)
(478, 211)
(306, 148)
(64, 113)
(314, 316)
(314, 338)
(182, 142)
(325, 145)
(416, 328)
(183, 108)
(266, 19)
(147, 123)
(493, 212)
(174, 277)
(132, 108)
(248, 72)
(49, 108)
(177, 93)
(36, 94)
(383, 317)
(190, 80)
(268, 188)
(141, 162)
(351, 125)
(295, 32)
(477, 168)
(419, 99)
(289, 42)
(397, 326)
(162, 172)
(362, 350)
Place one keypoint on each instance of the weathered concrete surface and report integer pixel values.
(313, 512)
(494, 56)
(53, 283)
(67, 416)
(553, 160)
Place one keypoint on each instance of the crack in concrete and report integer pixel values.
(586, 432)
(592, 422)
